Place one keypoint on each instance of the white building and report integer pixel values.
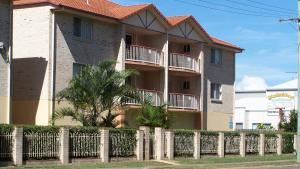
(262, 107)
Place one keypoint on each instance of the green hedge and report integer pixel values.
(5, 128)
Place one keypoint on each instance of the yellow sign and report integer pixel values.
(280, 95)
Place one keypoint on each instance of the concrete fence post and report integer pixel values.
(159, 143)
(170, 144)
(139, 145)
(18, 146)
(104, 149)
(64, 146)
(197, 147)
(146, 141)
(262, 144)
(279, 144)
(243, 145)
(221, 145)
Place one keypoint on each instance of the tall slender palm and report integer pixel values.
(96, 91)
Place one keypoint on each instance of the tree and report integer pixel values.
(291, 124)
(95, 93)
(153, 116)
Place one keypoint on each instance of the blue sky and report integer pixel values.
(271, 47)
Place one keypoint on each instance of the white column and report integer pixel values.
(243, 145)
(262, 145)
(104, 150)
(279, 144)
(221, 145)
(197, 147)
(64, 146)
(122, 49)
(147, 141)
(18, 146)
(166, 68)
(159, 143)
(170, 144)
(139, 145)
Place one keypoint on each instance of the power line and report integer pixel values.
(224, 10)
(240, 9)
(271, 6)
(257, 7)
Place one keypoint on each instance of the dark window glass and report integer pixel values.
(77, 27)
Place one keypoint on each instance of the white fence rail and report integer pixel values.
(107, 143)
(183, 101)
(85, 145)
(6, 143)
(41, 145)
(144, 54)
(154, 96)
(183, 61)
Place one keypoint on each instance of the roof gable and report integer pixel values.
(127, 13)
(188, 27)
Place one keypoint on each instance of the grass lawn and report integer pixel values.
(203, 163)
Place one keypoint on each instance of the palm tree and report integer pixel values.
(97, 90)
(153, 116)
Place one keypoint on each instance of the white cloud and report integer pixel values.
(252, 83)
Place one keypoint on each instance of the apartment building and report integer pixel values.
(5, 59)
(180, 64)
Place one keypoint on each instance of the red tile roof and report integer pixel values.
(175, 20)
(223, 43)
(120, 12)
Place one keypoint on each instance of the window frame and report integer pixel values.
(213, 56)
(85, 24)
(81, 68)
(213, 94)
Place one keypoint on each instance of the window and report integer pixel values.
(239, 126)
(254, 125)
(216, 57)
(186, 85)
(186, 48)
(82, 28)
(77, 69)
(216, 91)
(230, 122)
(128, 40)
(77, 27)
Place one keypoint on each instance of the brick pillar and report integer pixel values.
(262, 144)
(146, 141)
(159, 143)
(18, 146)
(64, 146)
(197, 147)
(279, 144)
(104, 149)
(170, 144)
(221, 145)
(243, 145)
(140, 145)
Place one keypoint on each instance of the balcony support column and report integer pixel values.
(120, 65)
(166, 66)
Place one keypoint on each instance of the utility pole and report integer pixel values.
(298, 92)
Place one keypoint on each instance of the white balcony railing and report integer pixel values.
(183, 61)
(144, 54)
(154, 96)
(183, 101)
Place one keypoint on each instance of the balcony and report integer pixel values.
(183, 101)
(142, 55)
(184, 63)
(154, 96)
